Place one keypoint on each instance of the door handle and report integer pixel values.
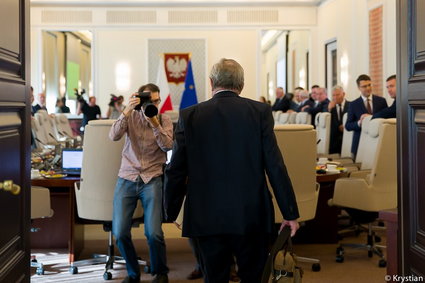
(9, 186)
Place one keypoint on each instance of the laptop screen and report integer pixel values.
(72, 159)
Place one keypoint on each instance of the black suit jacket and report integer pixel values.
(355, 111)
(223, 148)
(282, 104)
(389, 112)
(321, 107)
(335, 144)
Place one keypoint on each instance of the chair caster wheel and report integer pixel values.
(73, 270)
(147, 269)
(377, 239)
(39, 271)
(107, 276)
(339, 251)
(369, 253)
(315, 267)
(339, 258)
(382, 263)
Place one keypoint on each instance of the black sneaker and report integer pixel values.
(129, 279)
(160, 278)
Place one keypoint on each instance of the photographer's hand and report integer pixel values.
(154, 122)
(134, 101)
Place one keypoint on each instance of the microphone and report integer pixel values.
(319, 140)
(50, 134)
(65, 135)
(39, 141)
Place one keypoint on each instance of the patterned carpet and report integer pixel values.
(357, 267)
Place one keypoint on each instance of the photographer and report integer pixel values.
(90, 110)
(140, 177)
(116, 107)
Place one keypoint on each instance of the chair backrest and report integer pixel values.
(384, 172)
(39, 133)
(323, 128)
(371, 143)
(63, 126)
(276, 116)
(292, 117)
(46, 122)
(283, 119)
(303, 118)
(297, 144)
(101, 163)
(40, 202)
(363, 139)
(347, 140)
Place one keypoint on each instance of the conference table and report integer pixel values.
(65, 230)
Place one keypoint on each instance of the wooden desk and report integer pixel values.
(324, 227)
(62, 230)
(391, 219)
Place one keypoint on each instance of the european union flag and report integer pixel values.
(189, 94)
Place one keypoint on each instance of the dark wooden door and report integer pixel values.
(14, 141)
(411, 137)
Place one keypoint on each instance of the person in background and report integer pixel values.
(91, 110)
(264, 100)
(389, 112)
(228, 207)
(366, 104)
(61, 105)
(282, 103)
(116, 107)
(41, 105)
(306, 102)
(321, 106)
(140, 178)
(337, 107)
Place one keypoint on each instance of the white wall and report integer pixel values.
(112, 47)
(347, 21)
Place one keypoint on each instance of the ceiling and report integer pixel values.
(178, 2)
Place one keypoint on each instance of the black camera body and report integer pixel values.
(79, 96)
(114, 99)
(146, 104)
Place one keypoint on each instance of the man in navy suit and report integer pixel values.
(321, 106)
(223, 149)
(366, 104)
(337, 107)
(389, 112)
(282, 102)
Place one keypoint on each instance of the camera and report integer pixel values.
(79, 96)
(114, 99)
(146, 104)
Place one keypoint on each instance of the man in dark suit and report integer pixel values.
(282, 102)
(389, 112)
(337, 107)
(306, 101)
(366, 104)
(223, 148)
(321, 106)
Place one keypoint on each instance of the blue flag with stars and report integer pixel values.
(189, 94)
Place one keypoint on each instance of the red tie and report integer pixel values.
(369, 109)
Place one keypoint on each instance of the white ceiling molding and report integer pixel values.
(174, 3)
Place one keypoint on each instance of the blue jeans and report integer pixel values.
(126, 195)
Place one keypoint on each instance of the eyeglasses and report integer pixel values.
(156, 101)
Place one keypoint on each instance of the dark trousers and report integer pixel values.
(250, 251)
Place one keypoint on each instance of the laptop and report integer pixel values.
(72, 161)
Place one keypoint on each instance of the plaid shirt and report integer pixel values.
(145, 147)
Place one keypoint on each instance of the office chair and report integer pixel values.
(303, 118)
(363, 198)
(297, 144)
(40, 208)
(323, 128)
(95, 192)
(63, 127)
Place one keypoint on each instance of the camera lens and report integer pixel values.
(150, 110)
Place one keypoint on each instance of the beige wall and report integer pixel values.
(347, 22)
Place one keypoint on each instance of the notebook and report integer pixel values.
(72, 161)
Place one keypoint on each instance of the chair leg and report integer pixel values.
(315, 262)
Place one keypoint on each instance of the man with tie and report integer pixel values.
(389, 112)
(337, 107)
(366, 104)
